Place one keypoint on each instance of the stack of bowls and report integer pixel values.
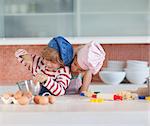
(137, 71)
(115, 65)
(114, 73)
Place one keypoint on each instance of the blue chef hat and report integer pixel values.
(64, 48)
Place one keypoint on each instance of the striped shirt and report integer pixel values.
(58, 80)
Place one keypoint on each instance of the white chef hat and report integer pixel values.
(91, 57)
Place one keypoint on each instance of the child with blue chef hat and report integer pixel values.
(51, 68)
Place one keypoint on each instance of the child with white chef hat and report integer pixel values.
(87, 62)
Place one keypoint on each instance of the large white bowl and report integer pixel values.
(112, 77)
(136, 77)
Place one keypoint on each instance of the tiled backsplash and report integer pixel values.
(11, 71)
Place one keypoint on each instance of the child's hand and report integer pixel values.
(20, 52)
(40, 78)
(24, 55)
(27, 58)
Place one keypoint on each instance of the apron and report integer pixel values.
(75, 84)
(44, 91)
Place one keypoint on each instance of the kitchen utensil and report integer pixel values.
(112, 77)
(136, 77)
(28, 85)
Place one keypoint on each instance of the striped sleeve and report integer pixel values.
(36, 60)
(36, 66)
(58, 86)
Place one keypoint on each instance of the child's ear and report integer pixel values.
(77, 48)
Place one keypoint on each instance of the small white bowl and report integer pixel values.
(112, 69)
(145, 63)
(136, 64)
(116, 64)
(112, 77)
(145, 70)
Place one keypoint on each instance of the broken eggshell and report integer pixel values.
(6, 100)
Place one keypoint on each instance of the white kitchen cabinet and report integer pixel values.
(1, 20)
(80, 18)
(113, 17)
(36, 18)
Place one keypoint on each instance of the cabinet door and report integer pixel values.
(38, 18)
(114, 25)
(114, 18)
(1, 19)
(45, 18)
(114, 6)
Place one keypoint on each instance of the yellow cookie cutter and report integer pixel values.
(147, 98)
(97, 100)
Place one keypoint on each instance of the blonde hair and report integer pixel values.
(51, 54)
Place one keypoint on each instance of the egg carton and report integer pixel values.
(12, 100)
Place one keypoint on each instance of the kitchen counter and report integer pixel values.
(77, 110)
(99, 87)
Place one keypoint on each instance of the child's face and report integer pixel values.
(51, 65)
(75, 66)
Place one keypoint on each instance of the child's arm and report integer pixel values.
(87, 78)
(24, 57)
(59, 85)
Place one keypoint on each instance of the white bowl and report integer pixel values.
(116, 64)
(145, 63)
(112, 69)
(145, 69)
(133, 65)
(136, 64)
(112, 77)
(136, 77)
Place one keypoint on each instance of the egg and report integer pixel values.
(23, 100)
(43, 100)
(52, 99)
(36, 99)
(18, 95)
